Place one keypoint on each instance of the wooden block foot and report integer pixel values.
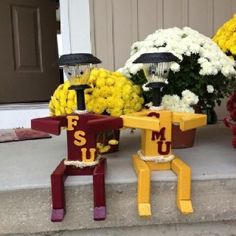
(185, 206)
(57, 215)
(100, 213)
(144, 209)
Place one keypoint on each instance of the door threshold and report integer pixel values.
(24, 106)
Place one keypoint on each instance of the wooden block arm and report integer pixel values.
(51, 125)
(104, 124)
(189, 121)
(141, 122)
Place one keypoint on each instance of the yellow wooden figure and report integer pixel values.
(156, 153)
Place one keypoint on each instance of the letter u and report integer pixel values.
(160, 147)
(84, 154)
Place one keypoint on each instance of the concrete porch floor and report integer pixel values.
(25, 169)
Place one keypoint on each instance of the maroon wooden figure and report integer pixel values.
(82, 131)
(83, 157)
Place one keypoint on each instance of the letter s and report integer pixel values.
(79, 138)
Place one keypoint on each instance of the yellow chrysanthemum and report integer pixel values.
(110, 92)
(101, 81)
(116, 112)
(110, 81)
(226, 36)
(113, 142)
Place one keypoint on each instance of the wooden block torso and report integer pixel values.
(154, 143)
(81, 143)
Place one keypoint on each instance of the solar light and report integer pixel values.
(156, 68)
(76, 66)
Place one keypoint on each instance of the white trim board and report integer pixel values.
(20, 115)
(75, 26)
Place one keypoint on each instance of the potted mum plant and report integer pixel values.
(203, 69)
(111, 93)
(225, 37)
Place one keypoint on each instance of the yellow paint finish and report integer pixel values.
(158, 166)
(189, 120)
(183, 172)
(79, 138)
(91, 157)
(157, 131)
(185, 206)
(144, 209)
(140, 122)
(72, 121)
(144, 180)
(148, 145)
(143, 112)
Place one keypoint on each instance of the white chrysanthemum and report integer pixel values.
(167, 100)
(210, 89)
(226, 71)
(201, 57)
(189, 97)
(136, 47)
(134, 68)
(174, 103)
(194, 48)
(124, 71)
(186, 42)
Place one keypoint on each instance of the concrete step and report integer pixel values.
(29, 211)
(226, 228)
(25, 201)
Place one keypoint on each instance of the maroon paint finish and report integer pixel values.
(99, 184)
(50, 125)
(163, 150)
(155, 114)
(74, 151)
(104, 124)
(91, 125)
(99, 190)
(73, 171)
(57, 190)
(82, 133)
(58, 178)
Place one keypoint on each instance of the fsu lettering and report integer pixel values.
(72, 121)
(84, 154)
(80, 140)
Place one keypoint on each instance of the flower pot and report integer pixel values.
(182, 139)
(211, 115)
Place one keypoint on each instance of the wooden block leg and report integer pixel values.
(144, 176)
(183, 172)
(99, 191)
(58, 196)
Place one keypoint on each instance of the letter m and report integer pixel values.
(159, 135)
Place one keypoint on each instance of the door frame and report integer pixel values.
(72, 41)
(75, 26)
